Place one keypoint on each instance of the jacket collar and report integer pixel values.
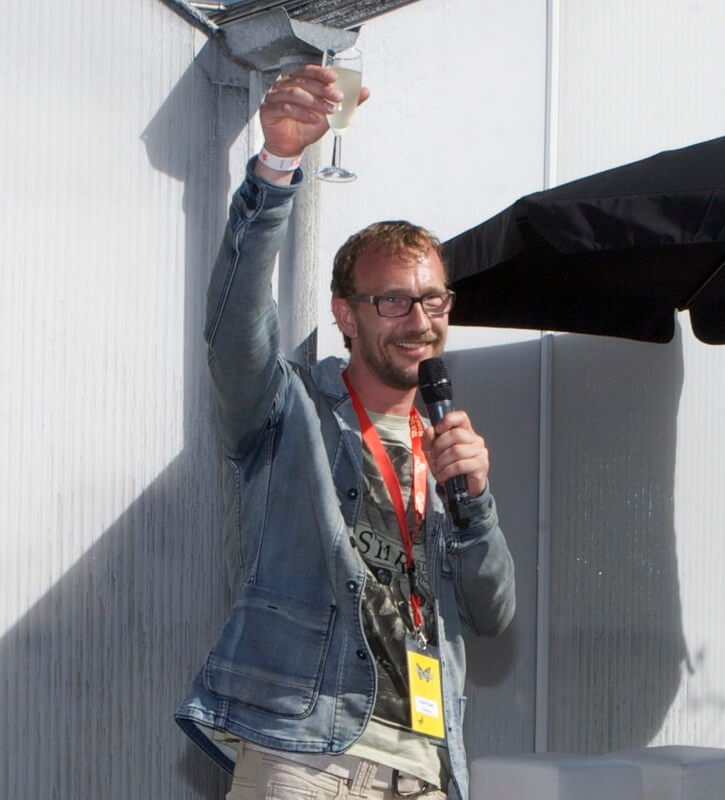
(327, 376)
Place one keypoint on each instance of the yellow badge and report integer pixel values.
(426, 703)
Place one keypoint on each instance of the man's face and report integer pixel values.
(392, 347)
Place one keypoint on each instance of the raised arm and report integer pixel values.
(242, 327)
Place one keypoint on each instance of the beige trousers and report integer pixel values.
(266, 776)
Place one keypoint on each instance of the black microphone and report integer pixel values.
(437, 394)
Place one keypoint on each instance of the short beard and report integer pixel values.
(393, 376)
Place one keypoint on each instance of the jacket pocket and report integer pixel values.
(271, 653)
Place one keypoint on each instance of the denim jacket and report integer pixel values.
(291, 668)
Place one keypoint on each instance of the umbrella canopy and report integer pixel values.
(614, 254)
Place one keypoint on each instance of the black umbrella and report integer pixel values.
(615, 253)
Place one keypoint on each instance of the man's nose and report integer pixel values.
(418, 317)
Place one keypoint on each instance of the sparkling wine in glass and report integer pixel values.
(348, 66)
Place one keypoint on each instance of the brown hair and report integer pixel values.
(391, 237)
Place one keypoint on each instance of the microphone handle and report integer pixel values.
(456, 487)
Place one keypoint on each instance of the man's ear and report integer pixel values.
(344, 316)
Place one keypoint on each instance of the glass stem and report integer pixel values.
(337, 150)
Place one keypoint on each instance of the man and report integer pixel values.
(339, 672)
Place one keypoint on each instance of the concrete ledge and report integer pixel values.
(552, 776)
(678, 772)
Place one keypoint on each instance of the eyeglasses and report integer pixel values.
(435, 304)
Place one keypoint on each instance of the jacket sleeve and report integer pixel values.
(483, 569)
(242, 327)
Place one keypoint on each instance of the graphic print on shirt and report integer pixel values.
(386, 610)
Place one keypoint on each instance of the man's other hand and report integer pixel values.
(452, 448)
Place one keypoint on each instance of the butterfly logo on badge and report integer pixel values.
(424, 674)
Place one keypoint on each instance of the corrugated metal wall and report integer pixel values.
(116, 161)
(638, 430)
(113, 188)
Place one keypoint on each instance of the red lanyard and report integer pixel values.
(420, 483)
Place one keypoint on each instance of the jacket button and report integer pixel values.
(362, 654)
(351, 586)
(352, 493)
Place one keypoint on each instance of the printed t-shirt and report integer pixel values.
(387, 621)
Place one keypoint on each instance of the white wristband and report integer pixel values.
(279, 164)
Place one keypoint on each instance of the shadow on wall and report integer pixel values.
(499, 388)
(617, 645)
(95, 670)
(616, 639)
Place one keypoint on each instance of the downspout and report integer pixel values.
(543, 586)
(543, 583)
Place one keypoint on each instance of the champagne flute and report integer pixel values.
(348, 66)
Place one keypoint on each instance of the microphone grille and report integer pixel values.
(433, 380)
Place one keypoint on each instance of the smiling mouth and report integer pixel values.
(414, 345)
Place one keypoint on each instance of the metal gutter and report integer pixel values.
(263, 42)
(336, 13)
(193, 15)
(261, 35)
(267, 39)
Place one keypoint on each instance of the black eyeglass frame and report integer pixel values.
(374, 299)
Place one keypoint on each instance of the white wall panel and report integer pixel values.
(638, 556)
(499, 387)
(617, 645)
(698, 711)
(636, 77)
(113, 187)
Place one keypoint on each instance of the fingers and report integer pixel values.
(310, 87)
(296, 103)
(314, 73)
(308, 91)
(295, 110)
(318, 80)
(454, 448)
(292, 110)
